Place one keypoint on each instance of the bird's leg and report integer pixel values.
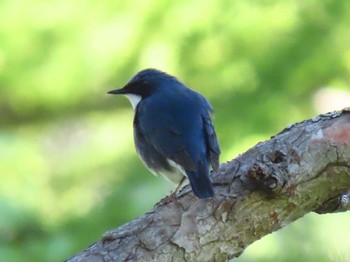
(172, 196)
(178, 186)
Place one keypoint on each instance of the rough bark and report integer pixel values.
(305, 168)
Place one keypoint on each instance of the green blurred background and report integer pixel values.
(68, 167)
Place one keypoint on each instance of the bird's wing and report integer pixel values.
(212, 142)
(166, 133)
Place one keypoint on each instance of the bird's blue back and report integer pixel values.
(172, 119)
(175, 120)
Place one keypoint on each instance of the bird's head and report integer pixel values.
(143, 84)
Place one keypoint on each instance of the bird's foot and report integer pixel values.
(172, 196)
(168, 199)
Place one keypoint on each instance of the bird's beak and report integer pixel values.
(117, 91)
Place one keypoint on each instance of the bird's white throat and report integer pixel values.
(134, 99)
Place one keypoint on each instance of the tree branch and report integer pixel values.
(305, 168)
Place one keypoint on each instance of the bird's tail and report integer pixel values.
(200, 181)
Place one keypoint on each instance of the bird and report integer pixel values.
(173, 131)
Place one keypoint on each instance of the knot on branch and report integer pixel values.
(268, 175)
(260, 177)
(276, 157)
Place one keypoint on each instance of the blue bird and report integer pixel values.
(173, 131)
